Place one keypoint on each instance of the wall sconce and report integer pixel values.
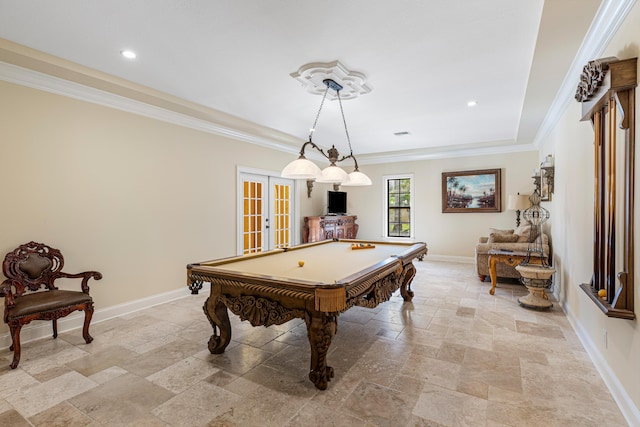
(543, 178)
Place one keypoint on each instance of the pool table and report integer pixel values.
(315, 282)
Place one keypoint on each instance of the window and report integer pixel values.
(398, 206)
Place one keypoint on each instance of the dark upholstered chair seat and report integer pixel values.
(29, 269)
(40, 302)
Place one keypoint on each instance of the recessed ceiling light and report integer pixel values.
(129, 54)
(472, 103)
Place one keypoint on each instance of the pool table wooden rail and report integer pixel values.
(268, 300)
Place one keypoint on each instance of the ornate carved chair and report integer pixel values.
(29, 268)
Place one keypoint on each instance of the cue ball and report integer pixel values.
(300, 263)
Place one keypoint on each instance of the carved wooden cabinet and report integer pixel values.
(317, 228)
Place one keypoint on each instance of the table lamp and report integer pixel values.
(518, 202)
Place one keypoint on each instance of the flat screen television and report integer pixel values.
(336, 202)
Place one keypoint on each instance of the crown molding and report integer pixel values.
(45, 82)
(440, 153)
(611, 14)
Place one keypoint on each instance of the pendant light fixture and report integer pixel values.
(302, 168)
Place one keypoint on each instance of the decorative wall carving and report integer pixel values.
(592, 76)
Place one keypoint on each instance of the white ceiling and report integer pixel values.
(423, 59)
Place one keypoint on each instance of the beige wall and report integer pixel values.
(132, 197)
(446, 234)
(572, 230)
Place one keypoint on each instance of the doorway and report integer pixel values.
(265, 212)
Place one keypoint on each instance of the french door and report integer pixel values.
(265, 212)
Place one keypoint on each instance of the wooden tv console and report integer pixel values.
(317, 228)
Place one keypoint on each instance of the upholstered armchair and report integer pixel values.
(515, 240)
(28, 269)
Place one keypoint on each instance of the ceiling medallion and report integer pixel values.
(313, 75)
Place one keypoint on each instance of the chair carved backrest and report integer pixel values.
(31, 266)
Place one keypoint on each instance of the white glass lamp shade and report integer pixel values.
(357, 179)
(301, 168)
(332, 174)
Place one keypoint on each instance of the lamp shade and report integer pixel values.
(357, 179)
(301, 168)
(332, 174)
(518, 202)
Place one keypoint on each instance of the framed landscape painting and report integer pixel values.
(471, 191)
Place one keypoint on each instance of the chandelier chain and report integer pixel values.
(315, 122)
(345, 123)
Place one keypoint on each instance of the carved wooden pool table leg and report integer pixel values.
(218, 316)
(321, 327)
(408, 274)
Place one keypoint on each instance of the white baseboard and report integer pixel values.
(42, 329)
(624, 401)
(449, 258)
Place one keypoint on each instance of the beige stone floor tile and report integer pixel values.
(380, 371)
(4, 406)
(425, 337)
(12, 418)
(221, 378)
(492, 368)
(357, 316)
(36, 365)
(312, 412)
(380, 406)
(52, 373)
(258, 337)
(12, 381)
(142, 344)
(239, 360)
(415, 421)
(547, 331)
(501, 395)
(124, 400)
(107, 374)
(274, 347)
(146, 364)
(99, 361)
(181, 375)
(242, 386)
(473, 388)
(392, 349)
(449, 407)
(451, 352)
(61, 415)
(273, 403)
(433, 371)
(37, 398)
(469, 338)
(293, 361)
(197, 405)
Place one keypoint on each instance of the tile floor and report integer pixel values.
(455, 356)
